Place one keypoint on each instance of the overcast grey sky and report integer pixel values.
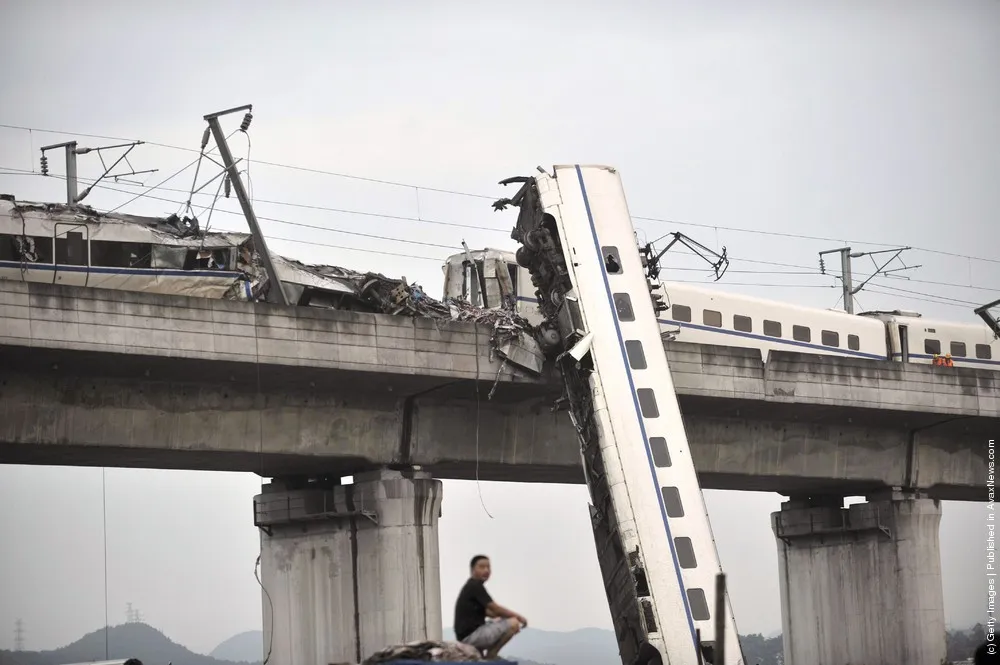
(861, 122)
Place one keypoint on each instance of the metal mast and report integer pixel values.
(241, 192)
(846, 278)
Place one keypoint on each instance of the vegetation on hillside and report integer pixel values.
(588, 646)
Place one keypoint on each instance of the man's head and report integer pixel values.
(480, 567)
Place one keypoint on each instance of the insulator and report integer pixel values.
(229, 186)
(245, 125)
(204, 137)
(45, 164)
(822, 266)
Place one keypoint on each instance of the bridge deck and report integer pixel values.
(96, 377)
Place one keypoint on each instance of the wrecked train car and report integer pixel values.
(78, 246)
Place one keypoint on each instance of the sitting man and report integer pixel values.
(474, 605)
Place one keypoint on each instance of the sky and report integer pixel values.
(775, 129)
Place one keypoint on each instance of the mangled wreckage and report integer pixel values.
(79, 246)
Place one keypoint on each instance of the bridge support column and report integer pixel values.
(347, 570)
(861, 584)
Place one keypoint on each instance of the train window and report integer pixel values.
(829, 338)
(711, 318)
(661, 456)
(958, 349)
(71, 249)
(801, 333)
(984, 352)
(623, 307)
(32, 249)
(636, 358)
(612, 261)
(742, 323)
(932, 346)
(512, 271)
(772, 328)
(218, 259)
(853, 342)
(685, 552)
(647, 403)
(672, 501)
(173, 258)
(681, 313)
(698, 604)
(121, 254)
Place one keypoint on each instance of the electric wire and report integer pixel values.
(455, 192)
(807, 269)
(803, 270)
(798, 269)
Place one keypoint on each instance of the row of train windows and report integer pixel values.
(646, 398)
(72, 249)
(713, 319)
(957, 349)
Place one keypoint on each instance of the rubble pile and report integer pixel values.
(512, 337)
(428, 651)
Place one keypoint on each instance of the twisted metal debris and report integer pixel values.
(427, 650)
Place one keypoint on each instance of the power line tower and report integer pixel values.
(72, 197)
(845, 275)
(214, 129)
(132, 615)
(18, 635)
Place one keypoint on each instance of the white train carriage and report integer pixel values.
(706, 316)
(77, 246)
(696, 314)
(913, 339)
(654, 541)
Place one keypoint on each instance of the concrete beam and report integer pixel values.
(140, 327)
(166, 336)
(52, 418)
(95, 377)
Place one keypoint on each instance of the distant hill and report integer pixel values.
(588, 646)
(248, 646)
(131, 640)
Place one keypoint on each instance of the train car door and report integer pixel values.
(72, 254)
(904, 344)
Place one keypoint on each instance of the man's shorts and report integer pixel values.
(488, 634)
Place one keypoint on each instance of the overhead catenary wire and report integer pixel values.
(456, 192)
(804, 270)
(808, 269)
(800, 270)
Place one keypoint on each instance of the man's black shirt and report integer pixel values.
(470, 608)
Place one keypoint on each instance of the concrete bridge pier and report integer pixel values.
(347, 570)
(861, 584)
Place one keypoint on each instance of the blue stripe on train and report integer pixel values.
(101, 270)
(806, 345)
